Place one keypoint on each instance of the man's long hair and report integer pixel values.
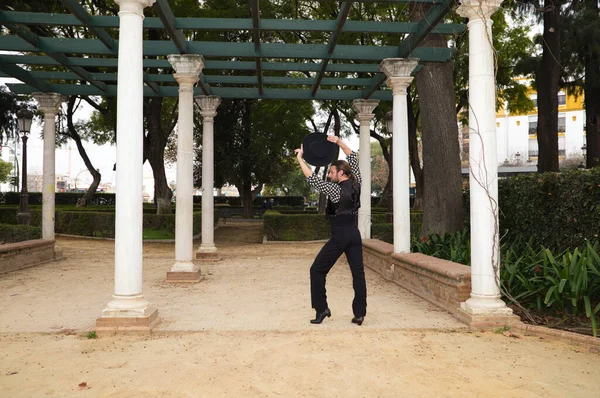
(345, 168)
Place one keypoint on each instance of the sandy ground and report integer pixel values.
(243, 332)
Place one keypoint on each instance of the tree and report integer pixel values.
(253, 143)
(8, 111)
(379, 169)
(5, 169)
(581, 46)
(442, 180)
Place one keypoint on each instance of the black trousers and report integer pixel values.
(345, 238)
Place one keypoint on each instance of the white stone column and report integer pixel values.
(187, 68)
(398, 71)
(483, 174)
(364, 109)
(50, 105)
(128, 308)
(208, 109)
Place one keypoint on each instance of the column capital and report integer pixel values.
(187, 67)
(208, 104)
(478, 9)
(134, 6)
(398, 71)
(49, 102)
(364, 109)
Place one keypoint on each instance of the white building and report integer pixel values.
(517, 134)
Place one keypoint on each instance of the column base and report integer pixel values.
(486, 322)
(128, 315)
(485, 306)
(192, 276)
(208, 256)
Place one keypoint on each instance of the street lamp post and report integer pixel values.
(24, 116)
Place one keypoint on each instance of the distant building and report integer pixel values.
(517, 134)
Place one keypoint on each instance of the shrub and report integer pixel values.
(557, 210)
(18, 233)
(567, 283)
(61, 198)
(385, 231)
(290, 227)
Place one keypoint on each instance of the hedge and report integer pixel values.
(61, 198)
(309, 226)
(237, 201)
(18, 233)
(294, 227)
(100, 224)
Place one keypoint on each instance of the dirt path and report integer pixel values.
(243, 332)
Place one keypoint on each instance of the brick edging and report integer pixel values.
(570, 337)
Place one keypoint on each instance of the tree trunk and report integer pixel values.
(592, 110)
(442, 180)
(84, 200)
(154, 150)
(547, 87)
(415, 162)
(247, 199)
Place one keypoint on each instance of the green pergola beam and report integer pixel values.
(82, 15)
(223, 92)
(409, 46)
(256, 40)
(34, 18)
(33, 40)
(333, 38)
(24, 76)
(168, 20)
(220, 79)
(209, 64)
(223, 49)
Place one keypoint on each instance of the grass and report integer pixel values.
(91, 335)
(150, 233)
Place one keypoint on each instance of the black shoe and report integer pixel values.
(321, 316)
(358, 320)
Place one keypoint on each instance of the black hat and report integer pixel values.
(317, 150)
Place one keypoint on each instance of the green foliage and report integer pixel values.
(295, 227)
(567, 283)
(61, 198)
(254, 141)
(8, 111)
(5, 169)
(385, 231)
(511, 44)
(18, 233)
(454, 247)
(91, 335)
(557, 210)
